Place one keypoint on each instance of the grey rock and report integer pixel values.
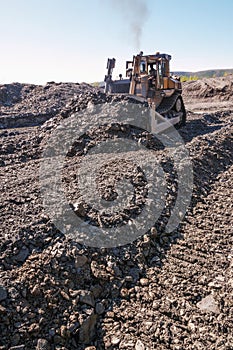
(42, 344)
(87, 329)
(99, 308)
(52, 332)
(80, 260)
(144, 281)
(3, 293)
(208, 304)
(79, 209)
(86, 297)
(22, 255)
(139, 345)
(115, 340)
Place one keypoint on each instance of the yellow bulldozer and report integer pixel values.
(148, 79)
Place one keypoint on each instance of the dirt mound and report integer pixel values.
(220, 89)
(27, 99)
(13, 93)
(163, 291)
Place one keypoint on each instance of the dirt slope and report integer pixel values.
(209, 94)
(217, 88)
(28, 99)
(163, 291)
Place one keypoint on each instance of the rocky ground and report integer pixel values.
(162, 291)
(209, 94)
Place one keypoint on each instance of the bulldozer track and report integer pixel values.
(167, 103)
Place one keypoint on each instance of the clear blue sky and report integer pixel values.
(70, 40)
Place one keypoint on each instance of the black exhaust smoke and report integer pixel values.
(135, 13)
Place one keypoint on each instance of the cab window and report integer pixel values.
(143, 67)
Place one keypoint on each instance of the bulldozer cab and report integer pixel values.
(149, 72)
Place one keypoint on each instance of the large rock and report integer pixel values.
(208, 304)
(87, 330)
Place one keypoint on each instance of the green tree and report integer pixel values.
(95, 84)
(184, 78)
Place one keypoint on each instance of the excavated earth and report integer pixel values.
(162, 291)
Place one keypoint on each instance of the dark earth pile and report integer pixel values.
(29, 105)
(163, 291)
(32, 99)
(217, 88)
(211, 94)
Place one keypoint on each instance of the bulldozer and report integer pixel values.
(148, 80)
